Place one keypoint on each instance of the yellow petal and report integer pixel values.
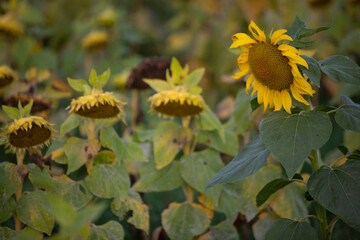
(277, 34)
(285, 48)
(297, 95)
(255, 88)
(243, 58)
(286, 101)
(260, 94)
(281, 37)
(277, 100)
(241, 39)
(295, 58)
(258, 34)
(249, 81)
(244, 69)
(266, 98)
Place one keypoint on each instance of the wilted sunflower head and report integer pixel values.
(7, 76)
(95, 103)
(150, 68)
(95, 40)
(179, 96)
(273, 67)
(26, 131)
(9, 26)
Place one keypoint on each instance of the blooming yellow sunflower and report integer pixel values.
(273, 68)
(95, 40)
(178, 96)
(97, 105)
(28, 132)
(7, 76)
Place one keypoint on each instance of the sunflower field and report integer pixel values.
(182, 120)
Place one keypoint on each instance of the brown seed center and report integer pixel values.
(270, 67)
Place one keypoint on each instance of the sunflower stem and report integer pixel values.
(20, 159)
(134, 108)
(320, 210)
(188, 190)
(91, 138)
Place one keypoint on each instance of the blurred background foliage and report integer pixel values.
(197, 32)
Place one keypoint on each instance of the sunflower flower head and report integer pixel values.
(26, 131)
(273, 67)
(7, 76)
(179, 95)
(107, 17)
(95, 103)
(9, 26)
(95, 40)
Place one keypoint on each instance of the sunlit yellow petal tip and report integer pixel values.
(258, 34)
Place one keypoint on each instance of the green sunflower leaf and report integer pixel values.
(93, 78)
(10, 179)
(208, 163)
(110, 139)
(292, 137)
(242, 111)
(212, 139)
(75, 153)
(209, 121)
(249, 160)
(194, 78)
(7, 207)
(27, 109)
(33, 210)
(341, 68)
(348, 115)
(108, 181)
(71, 122)
(152, 180)
(270, 189)
(338, 190)
(169, 138)
(104, 78)
(314, 72)
(77, 84)
(111, 230)
(298, 29)
(185, 219)
(159, 85)
(223, 231)
(11, 112)
(288, 229)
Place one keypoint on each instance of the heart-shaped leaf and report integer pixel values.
(292, 137)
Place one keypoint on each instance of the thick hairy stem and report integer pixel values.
(19, 158)
(188, 190)
(134, 108)
(91, 139)
(320, 210)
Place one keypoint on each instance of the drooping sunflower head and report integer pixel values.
(95, 40)
(7, 76)
(95, 103)
(150, 68)
(273, 67)
(26, 131)
(9, 26)
(179, 96)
